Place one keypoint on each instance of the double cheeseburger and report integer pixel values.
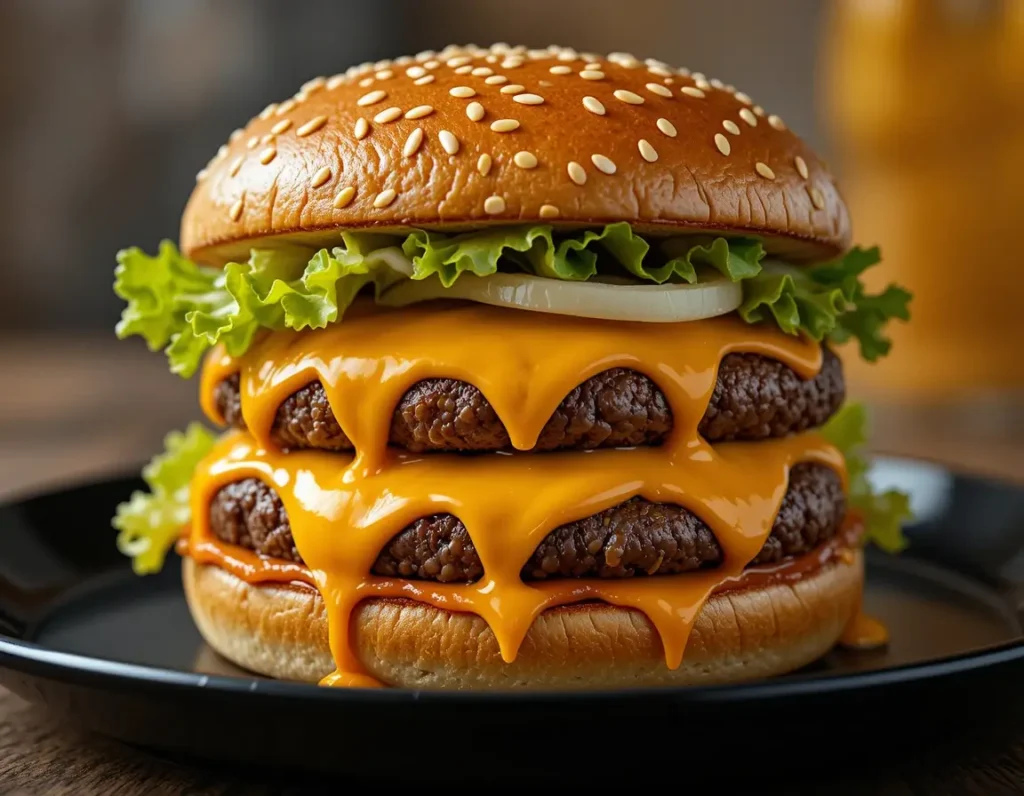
(522, 360)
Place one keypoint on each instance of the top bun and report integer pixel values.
(509, 135)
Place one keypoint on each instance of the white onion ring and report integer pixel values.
(646, 303)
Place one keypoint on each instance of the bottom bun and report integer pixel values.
(740, 635)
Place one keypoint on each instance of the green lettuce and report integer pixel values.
(186, 308)
(150, 522)
(884, 512)
(827, 301)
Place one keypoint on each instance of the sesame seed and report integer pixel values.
(366, 82)
(525, 160)
(504, 125)
(816, 198)
(703, 85)
(449, 142)
(511, 63)
(412, 143)
(266, 112)
(236, 165)
(462, 60)
(253, 142)
(462, 92)
(268, 155)
(493, 205)
(669, 81)
(743, 98)
(716, 83)
(362, 128)
(603, 163)
(748, 117)
(758, 110)
(415, 71)
(660, 90)
(344, 197)
(281, 126)
(267, 138)
(496, 80)
(692, 92)
(385, 74)
(683, 71)
(699, 76)
(730, 88)
(528, 99)
(483, 165)
(723, 144)
(647, 152)
(512, 88)
(561, 69)
(628, 97)
(464, 70)
(764, 170)
(491, 59)
(201, 175)
(222, 152)
(801, 166)
(592, 65)
(384, 198)
(322, 176)
(432, 64)
(660, 71)
(665, 126)
(776, 122)
(419, 112)
(592, 74)
(371, 99)
(482, 71)
(236, 210)
(593, 104)
(388, 115)
(549, 211)
(731, 127)
(422, 81)
(568, 55)
(311, 126)
(235, 135)
(284, 107)
(475, 111)
(577, 173)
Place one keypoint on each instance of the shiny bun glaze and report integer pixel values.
(475, 136)
(281, 632)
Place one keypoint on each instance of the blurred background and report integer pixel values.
(111, 106)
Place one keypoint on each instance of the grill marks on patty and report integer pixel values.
(754, 398)
(633, 539)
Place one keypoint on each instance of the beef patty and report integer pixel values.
(754, 398)
(634, 538)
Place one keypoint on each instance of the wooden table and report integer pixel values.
(72, 409)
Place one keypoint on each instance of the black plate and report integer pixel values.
(119, 654)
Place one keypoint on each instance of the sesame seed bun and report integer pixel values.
(473, 137)
(281, 632)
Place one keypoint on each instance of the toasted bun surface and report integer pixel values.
(740, 635)
(506, 135)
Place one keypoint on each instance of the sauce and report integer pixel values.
(344, 508)
(863, 632)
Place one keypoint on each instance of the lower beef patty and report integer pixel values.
(631, 539)
(754, 398)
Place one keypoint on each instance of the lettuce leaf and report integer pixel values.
(187, 308)
(827, 301)
(884, 512)
(150, 523)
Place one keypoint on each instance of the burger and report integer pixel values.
(523, 364)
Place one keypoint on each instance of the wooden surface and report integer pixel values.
(75, 409)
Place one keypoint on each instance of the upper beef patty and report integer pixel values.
(631, 539)
(754, 398)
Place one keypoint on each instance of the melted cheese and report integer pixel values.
(344, 508)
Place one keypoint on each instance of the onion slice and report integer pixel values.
(646, 303)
